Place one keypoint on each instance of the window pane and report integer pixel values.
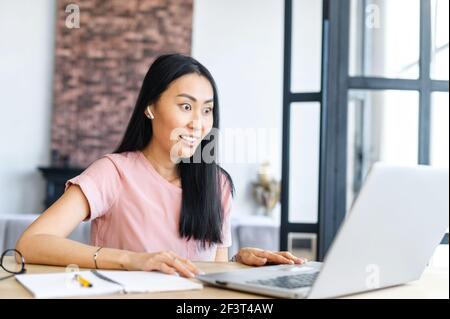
(304, 162)
(439, 39)
(439, 129)
(306, 45)
(382, 126)
(384, 38)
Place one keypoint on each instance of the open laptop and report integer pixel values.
(388, 237)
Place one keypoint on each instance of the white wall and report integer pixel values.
(241, 43)
(26, 68)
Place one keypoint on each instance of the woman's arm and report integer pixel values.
(45, 242)
(222, 254)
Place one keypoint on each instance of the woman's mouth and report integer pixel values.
(188, 139)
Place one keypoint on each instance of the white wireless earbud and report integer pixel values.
(149, 113)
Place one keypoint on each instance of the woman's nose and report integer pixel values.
(196, 119)
(195, 126)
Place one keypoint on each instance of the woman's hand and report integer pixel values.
(260, 257)
(165, 261)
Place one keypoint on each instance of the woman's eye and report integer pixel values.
(186, 107)
(208, 110)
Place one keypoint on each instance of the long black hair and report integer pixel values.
(201, 215)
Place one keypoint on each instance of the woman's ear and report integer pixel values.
(148, 113)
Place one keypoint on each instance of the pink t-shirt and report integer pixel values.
(134, 208)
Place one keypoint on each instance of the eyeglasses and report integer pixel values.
(12, 262)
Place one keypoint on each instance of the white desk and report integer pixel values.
(433, 284)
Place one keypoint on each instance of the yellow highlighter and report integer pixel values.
(83, 281)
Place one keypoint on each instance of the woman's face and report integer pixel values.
(183, 115)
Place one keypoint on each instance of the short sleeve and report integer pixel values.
(101, 184)
(227, 201)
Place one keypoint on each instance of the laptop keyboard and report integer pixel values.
(288, 282)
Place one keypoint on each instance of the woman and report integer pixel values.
(160, 200)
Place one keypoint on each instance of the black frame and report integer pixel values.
(13, 273)
(333, 139)
(287, 227)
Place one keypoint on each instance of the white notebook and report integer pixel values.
(60, 285)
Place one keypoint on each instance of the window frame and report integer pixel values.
(333, 99)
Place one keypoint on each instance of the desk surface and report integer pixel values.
(433, 284)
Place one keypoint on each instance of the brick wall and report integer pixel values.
(100, 66)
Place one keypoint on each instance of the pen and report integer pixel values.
(83, 282)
